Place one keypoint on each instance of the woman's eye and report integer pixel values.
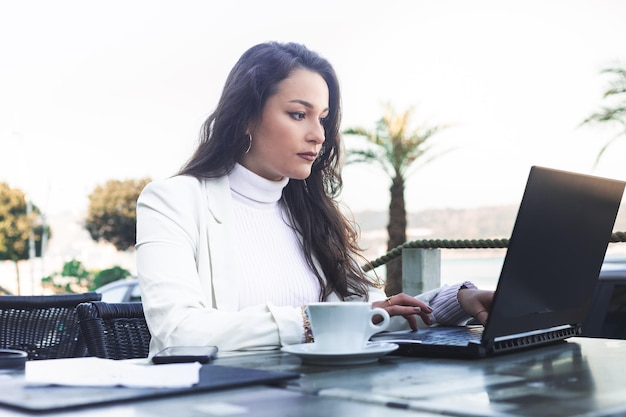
(322, 120)
(298, 115)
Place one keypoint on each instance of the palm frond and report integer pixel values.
(422, 162)
(619, 71)
(615, 112)
(396, 148)
(359, 156)
(607, 114)
(603, 149)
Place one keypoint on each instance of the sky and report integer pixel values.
(92, 91)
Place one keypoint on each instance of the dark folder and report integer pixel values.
(15, 394)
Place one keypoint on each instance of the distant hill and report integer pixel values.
(484, 222)
(473, 223)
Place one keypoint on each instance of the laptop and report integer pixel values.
(546, 285)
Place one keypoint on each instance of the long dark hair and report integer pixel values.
(327, 235)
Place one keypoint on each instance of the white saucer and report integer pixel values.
(371, 353)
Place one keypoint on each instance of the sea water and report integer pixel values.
(483, 272)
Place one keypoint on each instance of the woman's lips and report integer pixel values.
(309, 156)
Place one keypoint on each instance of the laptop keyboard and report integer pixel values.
(452, 335)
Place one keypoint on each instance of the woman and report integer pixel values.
(232, 248)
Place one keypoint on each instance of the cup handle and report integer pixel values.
(379, 327)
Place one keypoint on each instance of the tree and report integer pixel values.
(614, 111)
(75, 268)
(17, 226)
(106, 276)
(73, 278)
(111, 215)
(396, 149)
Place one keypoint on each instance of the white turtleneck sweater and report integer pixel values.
(186, 278)
(271, 258)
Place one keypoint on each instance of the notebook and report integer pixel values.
(550, 270)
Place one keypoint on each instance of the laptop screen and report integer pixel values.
(555, 252)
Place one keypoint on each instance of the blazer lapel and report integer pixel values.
(225, 270)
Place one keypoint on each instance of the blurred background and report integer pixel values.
(97, 91)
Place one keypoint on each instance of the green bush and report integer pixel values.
(107, 276)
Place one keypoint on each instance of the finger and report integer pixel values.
(406, 300)
(398, 310)
(410, 313)
(405, 305)
(427, 319)
(482, 316)
(412, 320)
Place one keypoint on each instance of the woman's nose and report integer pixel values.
(317, 134)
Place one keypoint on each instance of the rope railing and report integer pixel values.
(616, 237)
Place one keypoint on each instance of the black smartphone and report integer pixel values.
(183, 354)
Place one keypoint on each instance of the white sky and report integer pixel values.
(92, 91)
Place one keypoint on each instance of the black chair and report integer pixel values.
(44, 326)
(114, 330)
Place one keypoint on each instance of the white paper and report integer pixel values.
(98, 372)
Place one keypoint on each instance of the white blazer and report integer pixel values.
(189, 278)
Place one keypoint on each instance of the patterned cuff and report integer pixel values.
(446, 307)
(307, 337)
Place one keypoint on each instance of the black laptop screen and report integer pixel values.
(555, 252)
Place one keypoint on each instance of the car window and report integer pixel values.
(135, 294)
(114, 295)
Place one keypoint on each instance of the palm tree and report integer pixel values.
(396, 149)
(615, 110)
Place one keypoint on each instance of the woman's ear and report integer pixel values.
(251, 127)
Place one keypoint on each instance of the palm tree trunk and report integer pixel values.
(396, 230)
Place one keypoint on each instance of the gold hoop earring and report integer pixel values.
(249, 143)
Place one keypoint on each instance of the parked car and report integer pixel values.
(121, 291)
(607, 314)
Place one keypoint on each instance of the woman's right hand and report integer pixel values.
(406, 306)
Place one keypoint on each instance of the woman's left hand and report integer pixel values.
(476, 303)
(406, 306)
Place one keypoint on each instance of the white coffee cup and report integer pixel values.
(344, 327)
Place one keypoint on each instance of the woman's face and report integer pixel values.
(289, 134)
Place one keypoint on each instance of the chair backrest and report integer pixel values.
(114, 330)
(44, 326)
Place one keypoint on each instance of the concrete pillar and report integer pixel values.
(421, 270)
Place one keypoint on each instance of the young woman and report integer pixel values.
(232, 249)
